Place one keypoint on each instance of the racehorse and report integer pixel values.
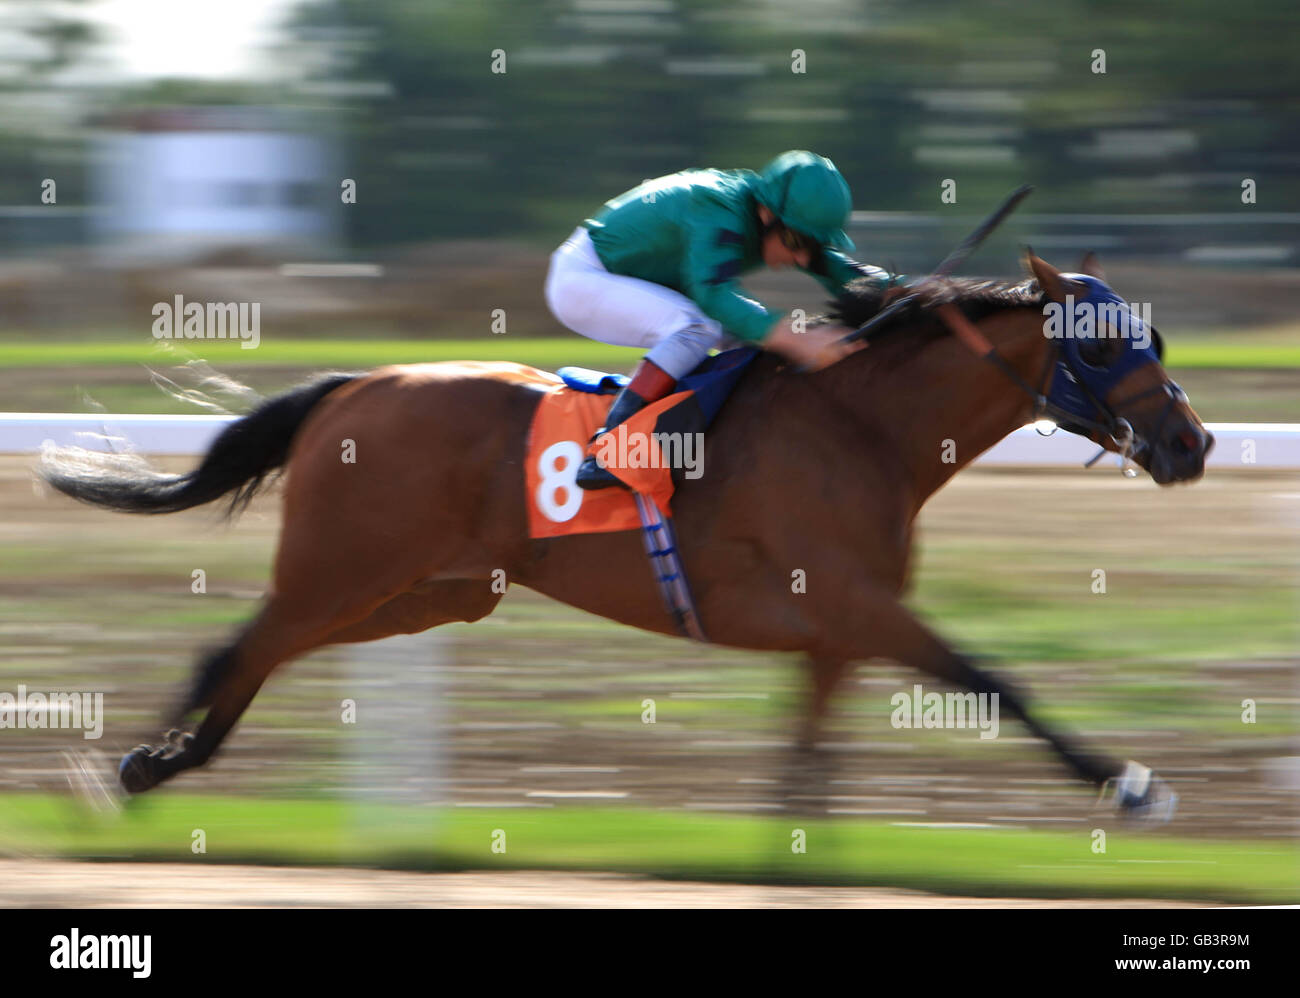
(821, 472)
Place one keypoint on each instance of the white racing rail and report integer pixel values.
(1238, 445)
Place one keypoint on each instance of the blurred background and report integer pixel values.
(382, 176)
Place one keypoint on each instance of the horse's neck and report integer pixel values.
(946, 405)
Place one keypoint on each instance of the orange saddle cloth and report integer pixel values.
(558, 439)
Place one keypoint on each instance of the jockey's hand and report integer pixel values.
(813, 348)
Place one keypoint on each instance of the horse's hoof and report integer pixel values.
(1143, 796)
(137, 771)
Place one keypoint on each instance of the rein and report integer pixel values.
(1110, 424)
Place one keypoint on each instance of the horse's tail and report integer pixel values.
(238, 461)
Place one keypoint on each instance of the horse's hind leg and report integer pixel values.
(425, 606)
(225, 682)
(228, 679)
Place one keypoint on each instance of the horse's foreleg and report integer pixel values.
(810, 768)
(824, 676)
(887, 629)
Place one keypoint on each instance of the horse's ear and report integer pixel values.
(1049, 278)
(1091, 266)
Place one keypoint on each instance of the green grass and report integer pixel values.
(1235, 352)
(1230, 356)
(977, 862)
(547, 352)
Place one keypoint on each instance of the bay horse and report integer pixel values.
(822, 472)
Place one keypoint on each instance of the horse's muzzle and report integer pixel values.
(1179, 456)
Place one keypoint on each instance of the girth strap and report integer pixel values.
(666, 563)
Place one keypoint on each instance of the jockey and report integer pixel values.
(657, 267)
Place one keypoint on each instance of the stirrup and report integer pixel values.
(591, 476)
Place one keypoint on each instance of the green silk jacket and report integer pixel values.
(696, 232)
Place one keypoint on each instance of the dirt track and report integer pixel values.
(537, 705)
(61, 884)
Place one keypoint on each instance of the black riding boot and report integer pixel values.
(590, 474)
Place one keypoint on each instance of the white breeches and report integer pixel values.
(627, 311)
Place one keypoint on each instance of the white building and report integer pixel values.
(179, 183)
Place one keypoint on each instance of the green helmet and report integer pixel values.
(807, 194)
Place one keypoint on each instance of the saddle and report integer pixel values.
(695, 401)
(660, 434)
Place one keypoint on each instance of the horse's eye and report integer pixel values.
(1098, 351)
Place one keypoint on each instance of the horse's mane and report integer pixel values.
(976, 297)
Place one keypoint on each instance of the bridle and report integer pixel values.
(1067, 396)
(1062, 392)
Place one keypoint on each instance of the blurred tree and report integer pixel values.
(594, 97)
(37, 122)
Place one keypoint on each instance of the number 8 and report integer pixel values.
(555, 478)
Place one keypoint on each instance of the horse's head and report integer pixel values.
(1109, 383)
